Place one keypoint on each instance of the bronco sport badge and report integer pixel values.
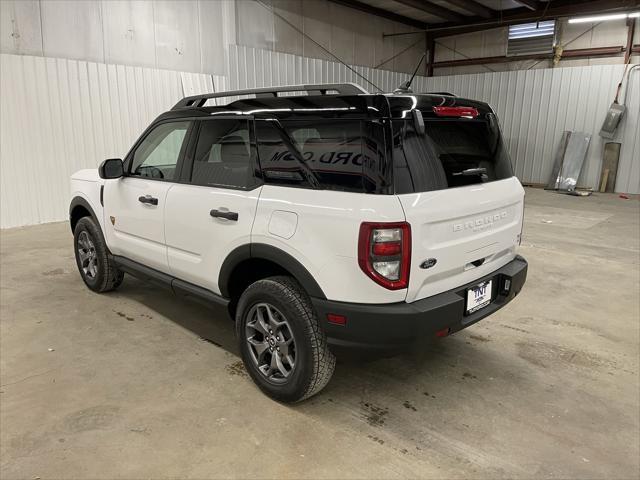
(480, 223)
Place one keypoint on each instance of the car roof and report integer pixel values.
(390, 105)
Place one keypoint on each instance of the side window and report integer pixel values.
(345, 155)
(277, 163)
(377, 173)
(157, 155)
(223, 154)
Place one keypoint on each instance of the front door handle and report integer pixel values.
(228, 215)
(148, 199)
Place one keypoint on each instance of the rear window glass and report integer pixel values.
(452, 153)
(346, 155)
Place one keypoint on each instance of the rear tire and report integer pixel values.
(282, 347)
(98, 272)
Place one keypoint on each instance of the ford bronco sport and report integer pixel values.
(321, 216)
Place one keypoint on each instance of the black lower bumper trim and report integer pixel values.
(389, 326)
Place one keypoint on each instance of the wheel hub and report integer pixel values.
(88, 255)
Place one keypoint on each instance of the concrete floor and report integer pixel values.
(123, 386)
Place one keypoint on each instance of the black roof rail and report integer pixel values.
(442, 93)
(319, 89)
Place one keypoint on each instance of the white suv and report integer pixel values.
(327, 217)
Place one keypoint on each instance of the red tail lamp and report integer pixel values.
(384, 253)
(464, 112)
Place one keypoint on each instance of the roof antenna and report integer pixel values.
(406, 86)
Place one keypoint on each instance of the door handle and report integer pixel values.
(148, 199)
(228, 215)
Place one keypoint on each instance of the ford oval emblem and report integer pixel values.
(428, 263)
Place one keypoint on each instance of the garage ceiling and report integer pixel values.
(449, 17)
(438, 11)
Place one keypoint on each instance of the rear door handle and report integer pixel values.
(148, 199)
(220, 214)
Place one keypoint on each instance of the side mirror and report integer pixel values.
(111, 168)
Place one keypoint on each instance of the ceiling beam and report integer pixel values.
(530, 4)
(379, 12)
(576, 53)
(433, 9)
(556, 9)
(475, 8)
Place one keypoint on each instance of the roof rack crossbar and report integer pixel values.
(196, 101)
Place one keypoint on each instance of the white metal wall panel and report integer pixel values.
(185, 35)
(129, 33)
(177, 35)
(23, 17)
(195, 84)
(58, 116)
(72, 28)
(252, 67)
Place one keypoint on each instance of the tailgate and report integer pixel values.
(470, 231)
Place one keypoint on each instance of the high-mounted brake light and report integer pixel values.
(384, 253)
(465, 112)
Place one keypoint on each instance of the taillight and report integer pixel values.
(466, 112)
(384, 253)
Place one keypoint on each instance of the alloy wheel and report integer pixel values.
(270, 341)
(88, 255)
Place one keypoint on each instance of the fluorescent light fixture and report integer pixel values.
(602, 18)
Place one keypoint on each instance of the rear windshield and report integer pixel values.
(453, 152)
(345, 155)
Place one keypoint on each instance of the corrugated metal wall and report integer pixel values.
(534, 106)
(251, 67)
(182, 35)
(629, 167)
(58, 116)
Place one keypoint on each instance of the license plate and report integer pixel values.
(478, 297)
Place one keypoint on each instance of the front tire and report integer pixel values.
(282, 347)
(96, 269)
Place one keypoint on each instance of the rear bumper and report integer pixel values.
(388, 326)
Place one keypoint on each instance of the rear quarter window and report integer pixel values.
(345, 155)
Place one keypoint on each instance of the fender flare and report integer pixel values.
(273, 254)
(82, 202)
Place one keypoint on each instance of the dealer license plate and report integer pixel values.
(478, 297)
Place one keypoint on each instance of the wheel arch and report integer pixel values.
(248, 263)
(78, 208)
